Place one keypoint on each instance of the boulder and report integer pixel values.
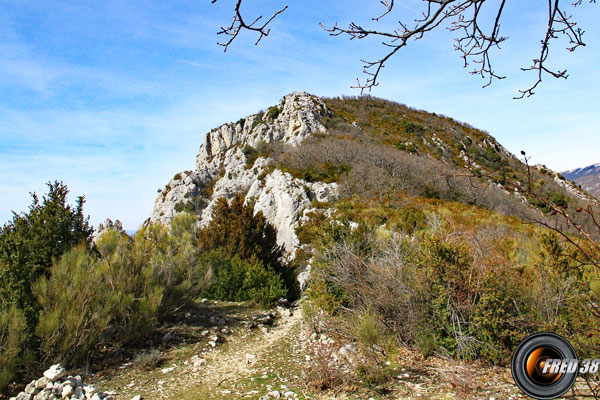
(31, 388)
(67, 390)
(55, 372)
(43, 395)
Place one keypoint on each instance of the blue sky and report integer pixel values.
(114, 97)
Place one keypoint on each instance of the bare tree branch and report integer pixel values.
(558, 23)
(238, 24)
(473, 42)
(397, 39)
(389, 5)
(476, 36)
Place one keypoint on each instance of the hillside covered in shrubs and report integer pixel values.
(84, 298)
(408, 229)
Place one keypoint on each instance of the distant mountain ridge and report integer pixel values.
(588, 177)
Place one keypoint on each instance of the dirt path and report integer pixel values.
(250, 364)
(247, 365)
(246, 356)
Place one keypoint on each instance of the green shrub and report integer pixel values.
(251, 155)
(408, 220)
(13, 336)
(262, 149)
(557, 198)
(264, 286)
(75, 307)
(492, 157)
(499, 321)
(154, 273)
(310, 315)
(237, 280)
(148, 360)
(273, 112)
(461, 296)
(30, 242)
(236, 230)
(378, 348)
(179, 206)
(120, 296)
(186, 206)
(309, 231)
(426, 343)
(178, 267)
(368, 329)
(409, 147)
(128, 268)
(412, 127)
(325, 172)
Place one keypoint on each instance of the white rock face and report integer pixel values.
(221, 169)
(281, 198)
(298, 118)
(108, 224)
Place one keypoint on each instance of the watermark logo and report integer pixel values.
(545, 366)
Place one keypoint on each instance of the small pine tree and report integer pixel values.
(31, 241)
(237, 230)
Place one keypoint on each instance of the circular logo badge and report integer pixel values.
(544, 366)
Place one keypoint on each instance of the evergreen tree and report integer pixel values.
(237, 231)
(31, 241)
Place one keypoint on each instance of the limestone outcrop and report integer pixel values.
(223, 168)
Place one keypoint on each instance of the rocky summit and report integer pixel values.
(224, 168)
(237, 158)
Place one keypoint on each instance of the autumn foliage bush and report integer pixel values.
(468, 288)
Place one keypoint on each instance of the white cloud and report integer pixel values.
(120, 122)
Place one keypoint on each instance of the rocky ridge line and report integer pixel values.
(588, 177)
(222, 169)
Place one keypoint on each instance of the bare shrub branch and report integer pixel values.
(473, 41)
(477, 35)
(238, 24)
